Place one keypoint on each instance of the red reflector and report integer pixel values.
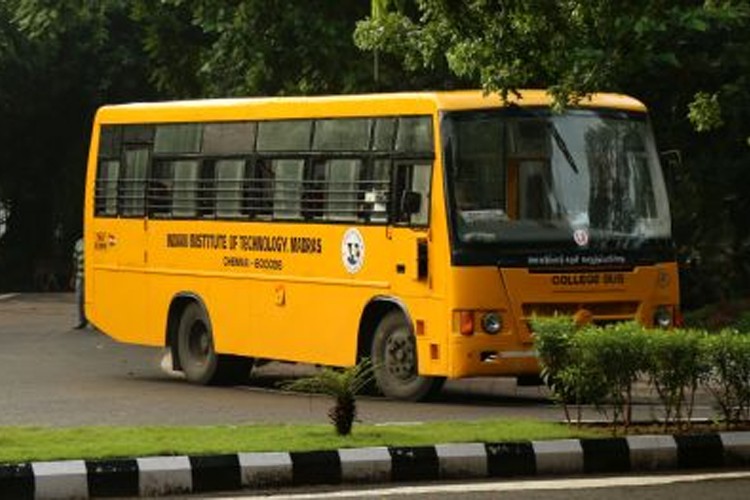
(467, 323)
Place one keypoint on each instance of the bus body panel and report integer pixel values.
(289, 301)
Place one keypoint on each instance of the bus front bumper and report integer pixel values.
(470, 360)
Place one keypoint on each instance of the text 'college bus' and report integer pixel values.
(421, 230)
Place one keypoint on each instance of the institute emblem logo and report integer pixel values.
(353, 250)
(581, 237)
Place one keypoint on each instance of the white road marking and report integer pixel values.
(7, 296)
(506, 486)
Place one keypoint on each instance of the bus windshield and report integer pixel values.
(531, 176)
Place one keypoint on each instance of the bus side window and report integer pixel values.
(229, 175)
(342, 186)
(160, 190)
(106, 187)
(132, 187)
(377, 192)
(259, 190)
(287, 188)
(185, 188)
(412, 186)
(206, 189)
(108, 170)
(421, 178)
(315, 193)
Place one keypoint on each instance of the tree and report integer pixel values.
(60, 60)
(254, 47)
(571, 47)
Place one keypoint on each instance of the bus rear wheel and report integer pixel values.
(198, 358)
(394, 359)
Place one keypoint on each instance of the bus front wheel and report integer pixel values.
(200, 362)
(394, 359)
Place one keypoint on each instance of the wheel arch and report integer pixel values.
(372, 314)
(179, 303)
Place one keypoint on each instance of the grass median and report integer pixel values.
(28, 444)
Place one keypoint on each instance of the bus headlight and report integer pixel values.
(663, 317)
(492, 323)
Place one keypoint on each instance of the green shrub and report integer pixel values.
(582, 378)
(728, 378)
(599, 366)
(675, 365)
(553, 337)
(614, 355)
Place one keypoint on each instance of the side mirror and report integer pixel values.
(411, 203)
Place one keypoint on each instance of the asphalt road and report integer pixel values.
(708, 485)
(53, 375)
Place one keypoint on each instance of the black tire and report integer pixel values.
(394, 359)
(200, 362)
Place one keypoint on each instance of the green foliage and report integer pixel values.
(26, 444)
(343, 385)
(553, 337)
(590, 365)
(612, 357)
(253, 47)
(175, 46)
(572, 47)
(60, 60)
(582, 379)
(705, 112)
(600, 365)
(728, 379)
(675, 364)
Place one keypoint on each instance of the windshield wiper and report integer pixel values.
(563, 147)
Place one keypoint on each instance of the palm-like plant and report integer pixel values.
(343, 385)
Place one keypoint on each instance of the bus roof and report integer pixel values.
(341, 105)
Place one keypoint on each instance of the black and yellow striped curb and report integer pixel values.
(154, 476)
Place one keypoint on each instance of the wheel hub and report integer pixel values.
(199, 342)
(400, 356)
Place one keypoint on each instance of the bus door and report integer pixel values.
(409, 231)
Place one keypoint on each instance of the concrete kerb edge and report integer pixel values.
(152, 476)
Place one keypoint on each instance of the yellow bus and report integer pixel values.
(422, 230)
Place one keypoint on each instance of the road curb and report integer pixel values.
(157, 476)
